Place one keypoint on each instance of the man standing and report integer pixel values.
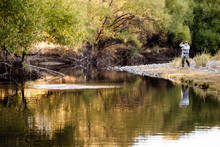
(185, 52)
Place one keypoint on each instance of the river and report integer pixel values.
(122, 110)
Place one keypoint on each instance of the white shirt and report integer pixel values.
(185, 48)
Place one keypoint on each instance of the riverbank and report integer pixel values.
(207, 77)
(43, 54)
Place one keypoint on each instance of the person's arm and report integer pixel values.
(181, 44)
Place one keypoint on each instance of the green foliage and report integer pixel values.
(18, 24)
(197, 21)
(206, 27)
(63, 21)
(180, 17)
(71, 22)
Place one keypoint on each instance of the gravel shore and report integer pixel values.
(207, 77)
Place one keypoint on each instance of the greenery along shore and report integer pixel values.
(89, 27)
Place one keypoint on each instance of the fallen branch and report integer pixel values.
(48, 70)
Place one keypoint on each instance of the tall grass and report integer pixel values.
(217, 56)
(178, 61)
(202, 59)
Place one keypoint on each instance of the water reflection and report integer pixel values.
(142, 108)
(184, 96)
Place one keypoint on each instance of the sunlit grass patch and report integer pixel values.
(176, 61)
(202, 59)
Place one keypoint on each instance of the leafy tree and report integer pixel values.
(19, 26)
(180, 18)
(64, 21)
(205, 29)
(73, 22)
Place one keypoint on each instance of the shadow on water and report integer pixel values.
(141, 107)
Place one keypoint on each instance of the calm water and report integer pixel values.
(142, 112)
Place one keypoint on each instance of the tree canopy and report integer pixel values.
(19, 24)
(72, 22)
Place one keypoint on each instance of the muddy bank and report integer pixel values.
(207, 78)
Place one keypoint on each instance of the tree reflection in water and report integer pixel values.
(142, 107)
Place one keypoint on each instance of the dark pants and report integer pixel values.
(185, 56)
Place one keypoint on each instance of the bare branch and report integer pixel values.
(118, 19)
(124, 20)
(103, 24)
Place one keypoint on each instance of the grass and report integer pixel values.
(178, 61)
(217, 56)
(202, 59)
